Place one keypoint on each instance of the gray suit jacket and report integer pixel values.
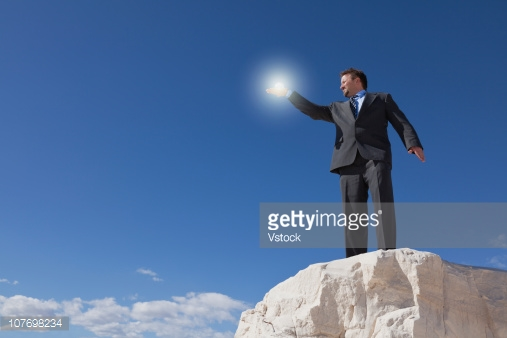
(367, 134)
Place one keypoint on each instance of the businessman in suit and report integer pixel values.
(362, 152)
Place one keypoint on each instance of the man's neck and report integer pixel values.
(357, 92)
(360, 93)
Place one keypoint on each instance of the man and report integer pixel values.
(362, 152)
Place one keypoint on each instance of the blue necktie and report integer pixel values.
(353, 104)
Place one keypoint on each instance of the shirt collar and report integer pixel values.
(361, 93)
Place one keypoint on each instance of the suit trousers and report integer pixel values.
(355, 181)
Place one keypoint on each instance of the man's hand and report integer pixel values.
(418, 152)
(277, 91)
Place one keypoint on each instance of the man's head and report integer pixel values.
(352, 81)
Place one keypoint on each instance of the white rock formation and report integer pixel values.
(396, 293)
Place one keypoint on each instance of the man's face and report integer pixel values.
(350, 86)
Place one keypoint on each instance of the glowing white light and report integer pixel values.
(279, 85)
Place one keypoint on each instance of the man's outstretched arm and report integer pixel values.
(311, 109)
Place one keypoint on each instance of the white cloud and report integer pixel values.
(132, 297)
(24, 306)
(191, 316)
(499, 262)
(4, 280)
(500, 241)
(148, 272)
(160, 309)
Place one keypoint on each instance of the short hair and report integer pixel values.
(356, 73)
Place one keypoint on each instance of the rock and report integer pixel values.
(396, 293)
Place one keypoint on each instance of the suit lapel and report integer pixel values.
(347, 111)
(368, 99)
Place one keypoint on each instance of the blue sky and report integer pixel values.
(137, 143)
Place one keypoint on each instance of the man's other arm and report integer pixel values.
(404, 128)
